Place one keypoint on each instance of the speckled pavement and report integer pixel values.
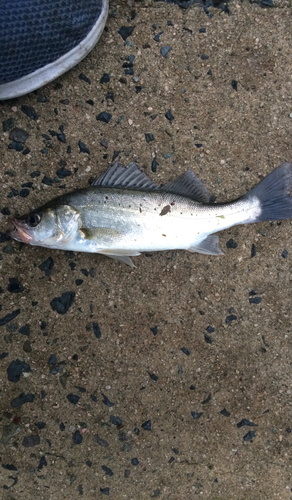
(171, 380)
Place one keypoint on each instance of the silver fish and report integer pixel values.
(123, 213)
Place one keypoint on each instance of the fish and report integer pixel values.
(124, 213)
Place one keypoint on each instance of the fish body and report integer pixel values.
(124, 213)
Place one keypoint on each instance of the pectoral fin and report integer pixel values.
(120, 255)
(125, 259)
(209, 246)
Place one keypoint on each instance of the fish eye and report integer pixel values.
(33, 219)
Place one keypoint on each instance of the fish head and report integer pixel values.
(48, 226)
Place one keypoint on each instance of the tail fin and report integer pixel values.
(274, 194)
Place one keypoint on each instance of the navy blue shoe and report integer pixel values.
(41, 39)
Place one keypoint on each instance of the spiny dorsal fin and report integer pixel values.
(188, 185)
(127, 177)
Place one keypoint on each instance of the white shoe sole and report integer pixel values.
(51, 71)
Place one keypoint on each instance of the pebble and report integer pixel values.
(210, 329)
(21, 400)
(157, 37)
(73, 398)
(250, 435)
(102, 442)
(107, 470)
(47, 266)
(165, 50)
(96, 330)
(24, 330)
(14, 286)
(185, 351)
(208, 339)
(149, 137)
(255, 300)
(16, 368)
(154, 165)
(135, 461)
(196, 415)
(8, 124)
(231, 243)
(30, 441)
(115, 420)
(106, 401)
(104, 117)
(30, 112)
(234, 85)
(247, 422)
(230, 318)
(85, 78)
(169, 115)
(9, 467)
(285, 254)
(62, 304)
(225, 413)
(77, 437)
(253, 251)
(154, 377)
(63, 172)
(42, 463)
(83, 148)
(105, 78)
(16, 146)
(40, 425)
(105, 491)
(146, 425)
(18, 135)
(154, 330)
(125, 31)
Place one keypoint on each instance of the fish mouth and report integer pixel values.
(19, 233)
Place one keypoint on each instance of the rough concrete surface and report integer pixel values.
(119, 346)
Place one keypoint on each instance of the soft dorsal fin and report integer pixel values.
(127, 177)
(188, 185)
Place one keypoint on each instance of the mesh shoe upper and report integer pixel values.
(34, 33)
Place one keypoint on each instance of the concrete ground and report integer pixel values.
(103, 400)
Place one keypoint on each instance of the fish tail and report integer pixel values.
(273, 195)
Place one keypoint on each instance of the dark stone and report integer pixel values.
(247, 422)
(149, 137)
(253, 251)
(90, 102)
(30, 441)
(169, 115)
(64, 101)
(115, 420)
(47, 266)
(42, 463)
(104, 117)
(21, 400)
(62, 304)
(105, 78)
(9, 467)
(196, 415)
(63, 172)
(83, 148)
(154, 377)
(24, 330)
(154, 165)
(110, 96)
(24, 192)
(8, 124)
(16, 146)
(18, 135)
(30, 112)
(154, 330)
(250, 435)
(102, 442)
(185, 351)
(15, 369)
(73, 398)
(14, 286)
(210, 329)
(78, 282)
(230, 318)
(105, 491)
(234, 85)
(35, 173)
(4, 237)
(165, 50)
(96, 330)
(204, 57)
(107, 470)
(285, 254)
(134, 461)
(255, 300)
(77, 438)
(106, 401)
(208, 339)
(225, 413)
(157, 37)
(138, 89)
(125, 31)
(83, 77)
(62, 138)
(5, 211)
(231, 243)
(146, 425)
(52, 360)
(40, 425)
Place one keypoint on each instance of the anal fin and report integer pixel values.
(125, 259)
(208, 246)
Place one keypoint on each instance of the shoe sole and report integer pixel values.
(51, 71)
